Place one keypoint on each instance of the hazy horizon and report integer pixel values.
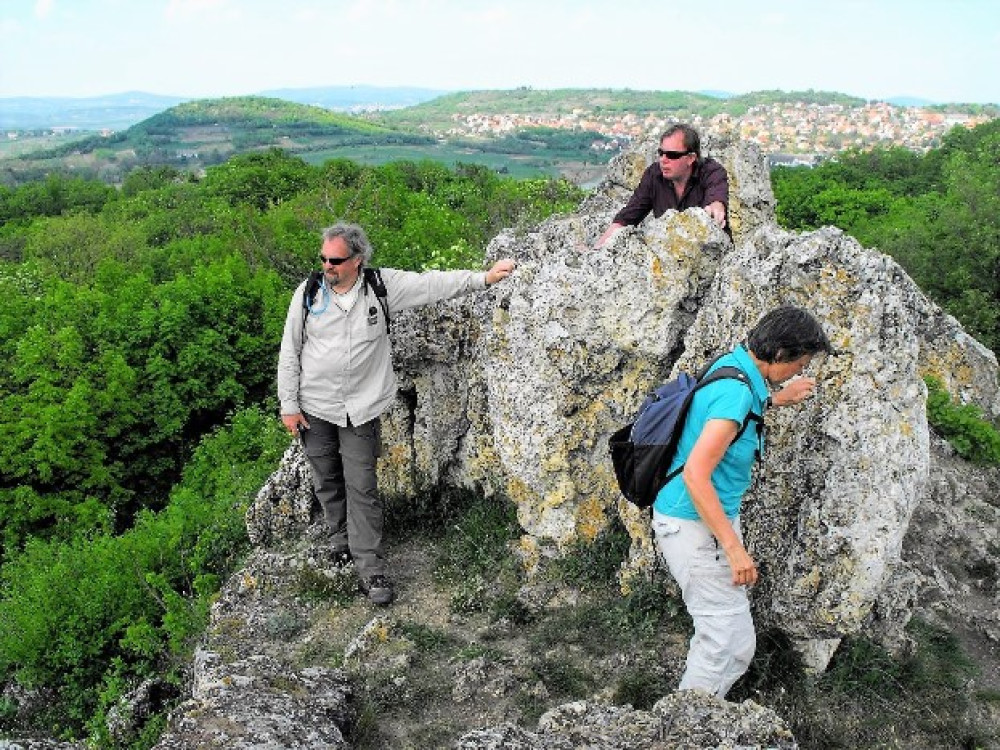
(945, 51)
(903, 97)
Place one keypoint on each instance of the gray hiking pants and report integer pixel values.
(343, 460)
(724, 641)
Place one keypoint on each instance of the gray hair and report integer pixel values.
(353, 236)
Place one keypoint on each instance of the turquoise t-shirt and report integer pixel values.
(723, 399)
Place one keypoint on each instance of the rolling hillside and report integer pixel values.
(196, 134)
(523, 132)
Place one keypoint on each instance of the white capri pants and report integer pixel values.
(724, 641)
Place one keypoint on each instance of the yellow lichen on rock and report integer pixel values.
(591, 519)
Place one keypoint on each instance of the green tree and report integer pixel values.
(938, 215)
(261, 180)
(128, 331)
(52, 197)
(105, 610)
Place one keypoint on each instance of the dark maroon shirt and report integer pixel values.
(708, 183)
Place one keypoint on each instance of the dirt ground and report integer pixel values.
(435, 674)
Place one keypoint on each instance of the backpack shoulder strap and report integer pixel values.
(734, 373)
(312, 285)
(373, 279)
(724, 373)
(313, 280)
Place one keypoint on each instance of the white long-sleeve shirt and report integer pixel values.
(342, 366)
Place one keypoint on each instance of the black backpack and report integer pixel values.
(642, 450)
(373, 279)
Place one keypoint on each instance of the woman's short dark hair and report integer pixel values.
(787, 333)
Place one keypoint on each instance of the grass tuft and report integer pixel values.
(868, 697)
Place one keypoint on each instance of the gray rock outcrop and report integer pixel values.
(517, 390)
(682, 721)
(249, 691)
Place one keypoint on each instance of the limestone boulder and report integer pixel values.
(248, 688)
(686, 720)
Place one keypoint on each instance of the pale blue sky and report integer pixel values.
(943, 50)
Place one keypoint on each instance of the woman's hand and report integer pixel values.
(743, 567)
(795, 392)
(716, 437)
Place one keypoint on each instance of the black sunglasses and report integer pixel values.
(672, 154)
(333, 261)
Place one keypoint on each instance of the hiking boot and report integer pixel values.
(378, 589)
(342, 558)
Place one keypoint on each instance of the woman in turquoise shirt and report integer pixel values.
(696, 515)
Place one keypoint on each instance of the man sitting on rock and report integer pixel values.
(679, 179)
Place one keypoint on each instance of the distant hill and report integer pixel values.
(115, 111)
(425, 108)
(249, 113)
(196, 134)
(522, 132)
(122, 111)
(909, 101)
(436, 114)
(356, 98)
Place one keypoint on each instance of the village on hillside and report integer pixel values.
(807, 130)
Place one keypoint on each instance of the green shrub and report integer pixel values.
(429, 512)
(469, 594)
(606, 620)
(315, 586)
(507, 606)
(562, 677)
(73, 613)
(106, 388)
(641, 687)
(426, 638)
(963, 425)
(476, 542)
